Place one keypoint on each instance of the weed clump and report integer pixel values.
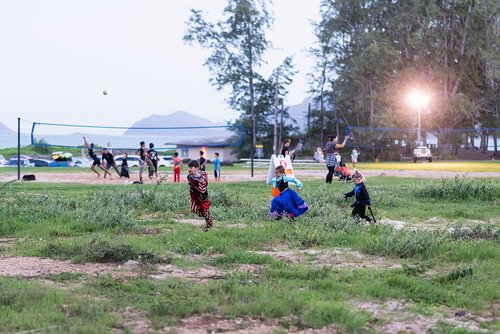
(458, 189)
(99, 251)
(480, 232)
(407, 244)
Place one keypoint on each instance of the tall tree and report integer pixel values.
(237, 45)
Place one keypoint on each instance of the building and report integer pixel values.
(190, 149)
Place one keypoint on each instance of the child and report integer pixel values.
(198, 184)
(125, 171)
(354, 156)
(217, 167)
(362, 197)
(97, 161)
(288, 202)
(202, 161)
(177, 167)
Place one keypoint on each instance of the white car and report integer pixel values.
(24, 160)
(3, 161)
(132, 160)
(165, 161)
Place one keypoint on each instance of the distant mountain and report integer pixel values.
(4, 130)
(177, 119)
(299, 113)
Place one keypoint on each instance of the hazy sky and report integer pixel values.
(58, 56)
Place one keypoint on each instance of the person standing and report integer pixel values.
(202, 161)
(198, 191)
(217, 167)
(285, 149)
(153, 156)
(354, 156)
(177, 167)
(125, 171)
(332, 147)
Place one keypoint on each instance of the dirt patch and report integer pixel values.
(135, 321)
(207, 323)
(243, 175)
(203, 274)
(194, 222)
(336, 258)
(397, 319)
(41, 267)
(203, 324)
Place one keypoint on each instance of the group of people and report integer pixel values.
(148, 157)
(288, 203)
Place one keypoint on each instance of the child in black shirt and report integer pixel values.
(362, 197)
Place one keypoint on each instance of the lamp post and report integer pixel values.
(418, 100)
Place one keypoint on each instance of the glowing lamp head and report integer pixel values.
(418, 99)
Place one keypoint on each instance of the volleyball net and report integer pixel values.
(128, 138)
(485, 139)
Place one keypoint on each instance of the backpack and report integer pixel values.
(29, 177)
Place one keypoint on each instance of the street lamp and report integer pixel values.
(418, 100)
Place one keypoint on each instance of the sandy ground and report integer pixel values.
(244, 175)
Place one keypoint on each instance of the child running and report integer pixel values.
(177, 167)
(362, 197)
(217, 167)
(97, 161)
(288, 202)
(198, 184)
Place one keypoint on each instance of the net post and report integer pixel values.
(18, 148)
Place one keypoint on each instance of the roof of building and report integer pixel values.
(208, 142)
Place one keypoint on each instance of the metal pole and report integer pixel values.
(18, 148)
(419, 134)
(276, 112)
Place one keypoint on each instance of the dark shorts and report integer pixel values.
(96, 162)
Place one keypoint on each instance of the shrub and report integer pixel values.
(459, 189)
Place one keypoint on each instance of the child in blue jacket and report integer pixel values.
(362, 197)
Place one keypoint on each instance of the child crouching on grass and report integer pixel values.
(198, 184)
(288, 202)
(362, 197)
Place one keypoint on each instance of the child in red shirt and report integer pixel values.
(198, 184)
(177, 167)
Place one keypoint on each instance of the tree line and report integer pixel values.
(368, 55)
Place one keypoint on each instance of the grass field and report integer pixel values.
(107, 259)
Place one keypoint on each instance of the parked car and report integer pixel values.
(3, 161)
(81, 162)
(40, 162)
(165, 161)
(61, 159)
(25, 161)
(132, 160)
